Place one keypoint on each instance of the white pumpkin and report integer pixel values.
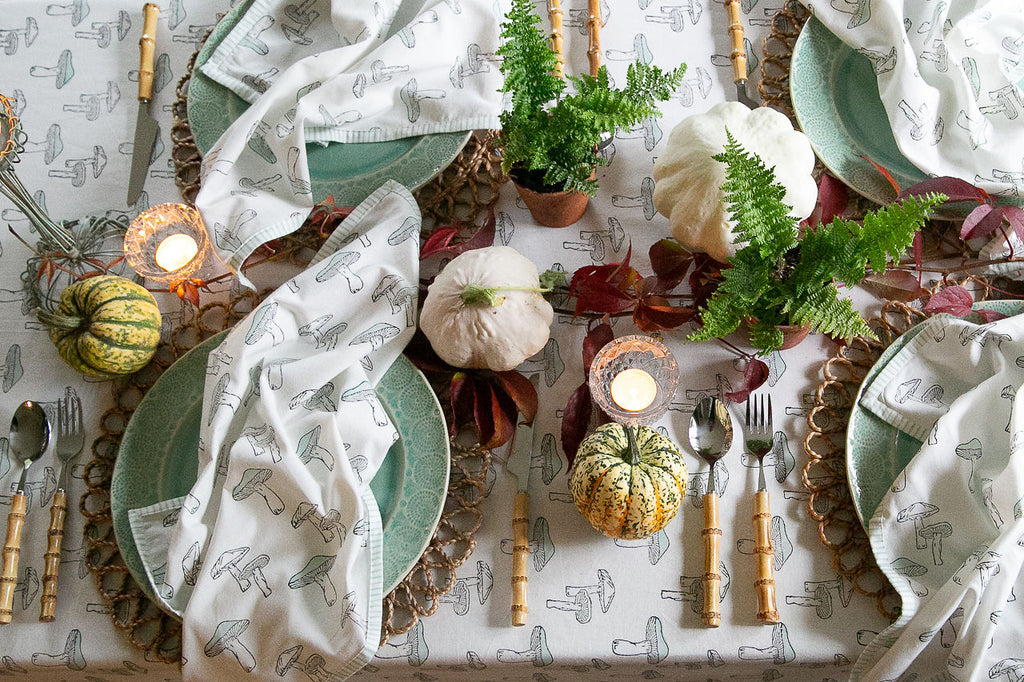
(688, 180)
(485, 310)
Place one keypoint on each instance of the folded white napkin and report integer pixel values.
(949, 75)
(336, 71)
(950, 534)
(289, 404)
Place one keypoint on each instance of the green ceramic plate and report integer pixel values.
(835, 96)
(876, 452)
(157, 459)
(349, 171)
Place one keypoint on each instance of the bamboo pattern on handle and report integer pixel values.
(711, 579)
(555, 17)
(738, 53)
(520, 555)
(51, 566)
(11, 553)
(147, 46)
(767, 610)
(594, 36)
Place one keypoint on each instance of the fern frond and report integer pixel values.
(719, 318)
(823, 310)
(766, 337)
(889, 231)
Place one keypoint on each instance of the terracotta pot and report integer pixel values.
(554, 209)
(792, 334)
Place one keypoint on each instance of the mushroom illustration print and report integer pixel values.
(653, 645)
(970, 452)
(916, 513)
(226, 638)
(254, 481)
(363, 392)
(325, 337)
(341, 264)
(375, 335)
(778, 652)
(309, 449)
(317, 570)
(191, 563)
(229, 563)
(414, 649)
(221, 397)
(263, 440)
(316, 399)
(538, 654)
(401, 298)
(263, 323)
(326, 524)
(70, 657)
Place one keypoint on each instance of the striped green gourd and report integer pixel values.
(621, 497)
(105, 326)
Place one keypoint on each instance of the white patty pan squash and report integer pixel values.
(688, 180)
(485, 310)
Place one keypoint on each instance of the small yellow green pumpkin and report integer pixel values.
(622, 497)
(105, 326)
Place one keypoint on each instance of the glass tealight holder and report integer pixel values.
(633, 379)
(167, 243)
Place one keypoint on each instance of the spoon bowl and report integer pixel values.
(30, 434)
(710, 433)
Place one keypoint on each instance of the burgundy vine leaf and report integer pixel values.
(654, 313)
(520, 392)
(954, 300)
(442, 239)
(604, 288)
(704, 279)
(896, 285)
(990, 315)
(462, 401)
(980, 222)
(754, 377)
(670, 262)
(1014, 215)
(575, 420)
(917, 246)
(833, 198)
(599, 336)
(954, 188)
(504, 415)
(483, 412)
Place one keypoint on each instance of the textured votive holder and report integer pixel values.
(633, 379)
(167, 243)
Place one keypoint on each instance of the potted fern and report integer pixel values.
(781, 277)
(549, 138)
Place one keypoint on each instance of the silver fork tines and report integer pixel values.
(759, 431)
(70, 433)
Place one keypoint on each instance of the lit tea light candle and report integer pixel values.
(176, 251)
(633, 389)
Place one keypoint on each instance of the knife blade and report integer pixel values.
(146, 127)
(518, 464)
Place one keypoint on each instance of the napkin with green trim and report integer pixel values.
(276, 554)
(336, 71)
(949, 534)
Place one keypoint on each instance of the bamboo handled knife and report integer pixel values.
(738, 54)
(518, 464)
(146, 127)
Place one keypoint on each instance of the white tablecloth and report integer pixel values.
(825, 627)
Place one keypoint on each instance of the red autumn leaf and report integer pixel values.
(520, 391)
(187, 291)
(954, 188)
(462, 401)
(597, 338)
(601, 297)
(503, 417)
(483, 412)
(896, 285)
(980, 222)
(576, 420)
(654, 313)
(441, 240)
(1014, 215)
(754, 376)
(670, 263)
(990, 315)
(705, 278)
(954, 300)
(833, 198)
(886, 174)
(918, 248)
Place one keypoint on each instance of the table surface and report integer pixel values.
(94, 112)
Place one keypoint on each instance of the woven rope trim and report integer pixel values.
(464, 191)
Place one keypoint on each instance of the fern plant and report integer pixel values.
(551, 134)
(782, 278)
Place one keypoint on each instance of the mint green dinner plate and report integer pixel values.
(348, 171)
(157, 460)
(876, 451)
(834, 91)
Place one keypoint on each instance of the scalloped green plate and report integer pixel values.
(876, 451)
(157, 460)
(348, 171)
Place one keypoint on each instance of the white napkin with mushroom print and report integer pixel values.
(950, 74)
(949, 533)
(336, 71)
(277, 548)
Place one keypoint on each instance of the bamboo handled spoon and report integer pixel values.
(710, 437)
(30, 434)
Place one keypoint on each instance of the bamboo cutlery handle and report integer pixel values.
(51, 567)
(712, 579)
(767, 610)
(520, 555)
(147, 47)
(738, 55)
(12, 550)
